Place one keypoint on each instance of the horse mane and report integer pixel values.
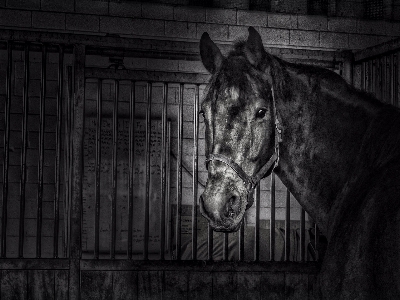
(319, 77)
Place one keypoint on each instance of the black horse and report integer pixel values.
(337, 149)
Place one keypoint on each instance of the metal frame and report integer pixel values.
(380, 72)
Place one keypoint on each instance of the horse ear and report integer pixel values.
(210, 54)
(254, 49)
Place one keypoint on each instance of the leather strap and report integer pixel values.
(252, 181)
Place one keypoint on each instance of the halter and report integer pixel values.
(252, 181)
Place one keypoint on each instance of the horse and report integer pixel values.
(336, 148)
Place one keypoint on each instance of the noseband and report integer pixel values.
(252, 181)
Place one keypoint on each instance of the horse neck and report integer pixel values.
(324, 122)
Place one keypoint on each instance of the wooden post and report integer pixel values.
(77, 170)
(348, 67)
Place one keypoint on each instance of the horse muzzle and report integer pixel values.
(224, 212)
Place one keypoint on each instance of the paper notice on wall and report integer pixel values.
(122, 186)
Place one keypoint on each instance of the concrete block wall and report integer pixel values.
(162, 21)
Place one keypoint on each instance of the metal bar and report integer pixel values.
(131, 166)
(24, 137)
(257, 227)
(163, 170)
(378, 78)
(68, 161)
(195, 171)
(168, 229)
(225, 253)
(302, 235)
(385, 90)
(6, 153)
(147, 193)
(316, 242)
(114, 172)
(397, 82)
(99, 112)
(57, 174)
(241, 242)
(363, 75)
(371, 76)
(154, 76)
(179, 174)
(392, 79)
(381, 78)
(210, 243)
(389, 79)
(287, 226)
(272, 220)
(42, 104)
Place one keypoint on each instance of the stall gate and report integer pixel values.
(102, 169)
(376, 71)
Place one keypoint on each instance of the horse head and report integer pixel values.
(241, 128)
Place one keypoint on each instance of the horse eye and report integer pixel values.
(261, 113)
(202, 114)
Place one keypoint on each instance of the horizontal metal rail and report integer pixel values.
(147, 76)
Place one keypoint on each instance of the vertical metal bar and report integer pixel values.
(316, 242)
(68, 162)
(385, 90)
(6, 153)
(392, 79)
(42, 105)
(195, 170)
(257, 227)
(363, 75)
(302, 234)
(131, 165)
(147, 196)
(23, 153)
(163, 170)
(381, 78)
(373, 76)
(57, 174)
(397, 80)
(287, 226)
(114, 171)
(387, 79)
(179, 174)
(272, 220)
(97, 168)
(225, 254)
(99, 112)
(210, 243)
(168, 229)
(377, 77)
(241, 242)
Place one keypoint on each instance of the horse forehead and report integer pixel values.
(232, 94)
